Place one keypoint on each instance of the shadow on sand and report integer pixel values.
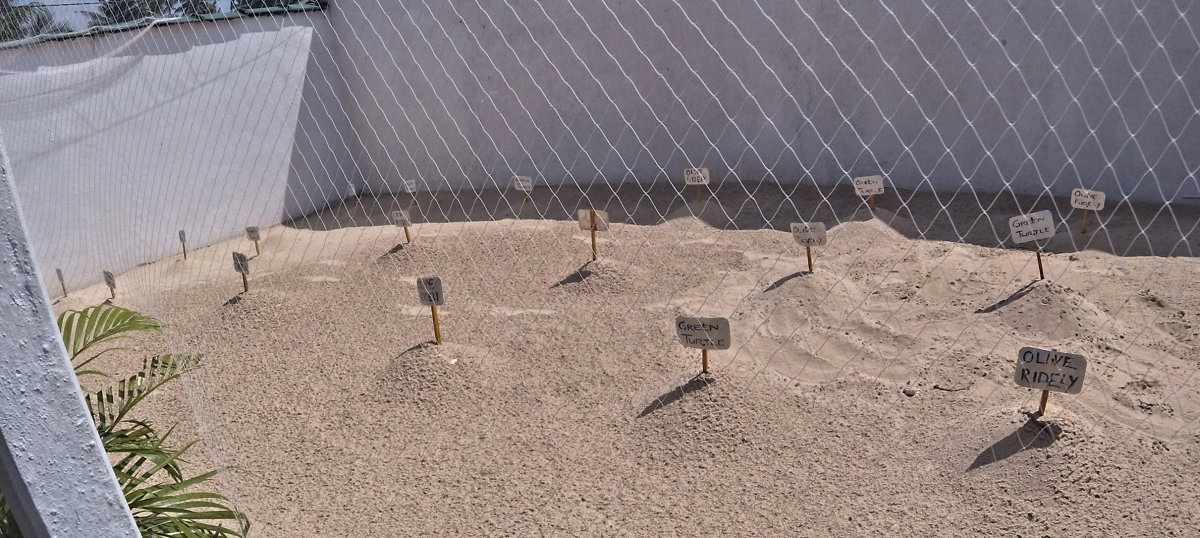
(576, 277)
(785, 280)
(1008, 300)
(978, 218)
(700, 382)
(1032, 435)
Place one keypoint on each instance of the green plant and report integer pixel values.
(160, 496)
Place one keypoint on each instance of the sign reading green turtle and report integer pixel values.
(703, 334)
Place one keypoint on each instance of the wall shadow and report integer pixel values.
(1032, 435)
(1125, 229)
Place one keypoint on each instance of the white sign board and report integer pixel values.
(410, 185)
(703, 333)
(695, 176)
(400, 218)
(1031, 226)
(241, 263)
(523, 183)
(1085, 199)
(253, 233)
(585, 220)
(809, 234)
(1050, 370)
(182, 237)
(429, 290)
(868, 185)
(110, 280)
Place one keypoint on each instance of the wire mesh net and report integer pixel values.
(543, 160)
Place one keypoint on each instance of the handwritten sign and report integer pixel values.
(241, 263)
(695, 176)
(410, 185)
(703, 333)
(110, 280)
(1085, 199)
(523, 183)
(1050, 370)
(1031, 226)
(429, 290)
(809, 234)
(400, 218)
(252, 233)
(61, 280)
(182, 237)
(585, 220)
(868, 185)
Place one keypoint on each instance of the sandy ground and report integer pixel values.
(872, 396)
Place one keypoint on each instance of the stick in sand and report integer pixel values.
(593, 220)
(429, 291)
(61, 281)
(183, 241)
(1041, 272)
(595, 250)
(1085, 219)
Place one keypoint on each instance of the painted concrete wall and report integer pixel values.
(120, 141)
(214, 126)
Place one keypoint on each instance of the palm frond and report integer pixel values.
(110, 406)
(84, 329)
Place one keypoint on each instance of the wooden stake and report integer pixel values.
(699, 193)
(245, 283)
(808, 251)
(1085, 219)
(1042, 406)
(113, 291)
(1041, 272)
(872, 202)
(704, 361)
(407, 237)
(437, 327)
(256, 249)
(64, 287)
(595, 251)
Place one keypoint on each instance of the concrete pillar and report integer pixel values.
(54, 472)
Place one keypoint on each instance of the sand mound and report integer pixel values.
(1053, 312)
(601, 277)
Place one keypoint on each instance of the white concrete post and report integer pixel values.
(54, 472)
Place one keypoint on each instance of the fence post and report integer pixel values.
(54, 472)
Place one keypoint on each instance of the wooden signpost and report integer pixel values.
(697, 177)
(1033, 227)
(61, 281)
(1087, 201)
(703, 334)
(183, 241)
(241, 264)
(809, 234)
(523, 184)
(410, 185)
(1049, 370)
(429, 290)
(595, 220)
(869, 186)
(111, 281)
(400, 218)
(254, 235)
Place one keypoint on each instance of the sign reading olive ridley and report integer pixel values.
(868, 185)
(241, 263)
(1032, 226)
(695, 176)
(809, 234)
(1085, 199)
(400, 218)
(1050, 370)
(429, 290)
(523, 183)
(703, 333)
(585, 220)
(252, 233)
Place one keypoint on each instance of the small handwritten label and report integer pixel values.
(253, 233)
(429, 290)
(182, 237)
(1031, 226)
(695, 176)
(110, 280)
(703, 333)
(400, 218)
(241, 263)
(868, 185)
(600, 224)
(523, 183)
(410, 185)
(1050, 370)
(1085, 199)
(61, 280)
(809, 234)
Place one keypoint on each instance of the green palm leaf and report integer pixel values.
(84, 329)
